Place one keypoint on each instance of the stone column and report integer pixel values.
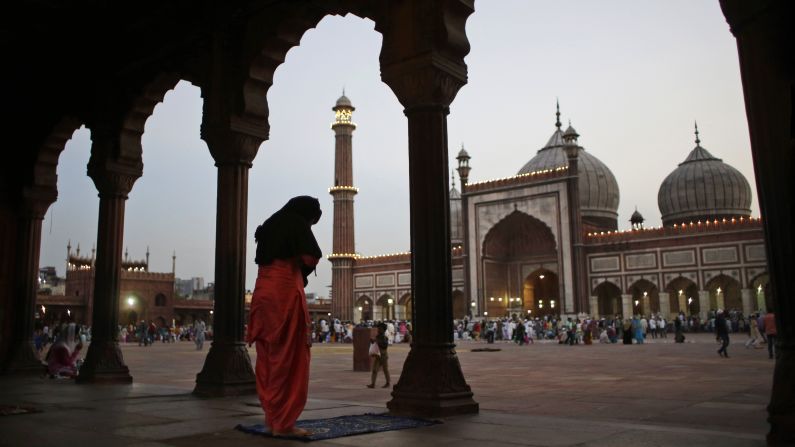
(766, 48)
(227, 369)
(627, 306)
(23, 357)
(665, 304)
(594, 304)
(646, 303)
(747, 296)
(422, 61)
(703, 304)
(432, 382)
(104, 362)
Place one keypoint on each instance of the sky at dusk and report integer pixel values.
(631, 75)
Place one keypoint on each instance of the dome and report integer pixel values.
(599, 193)
(456, 220)
(703, 187)
(343, 101)
(636, 217)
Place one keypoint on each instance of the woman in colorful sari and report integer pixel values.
(279, 323)
(64, 353)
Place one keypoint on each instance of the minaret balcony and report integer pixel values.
(350, 189)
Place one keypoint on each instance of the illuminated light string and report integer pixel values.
(682, 226)
(343, 188)
(519, 176)
(381, 256)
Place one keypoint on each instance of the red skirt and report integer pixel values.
(279, 325)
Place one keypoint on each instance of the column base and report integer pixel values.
(781, 412)
(24, 360)
(227, 371)
(432, 384)
(104, 364)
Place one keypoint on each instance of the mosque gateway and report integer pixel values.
(520, 245)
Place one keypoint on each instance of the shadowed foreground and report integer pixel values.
(542, 394)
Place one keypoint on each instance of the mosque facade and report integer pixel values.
(545, 241)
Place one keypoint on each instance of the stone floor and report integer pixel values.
(546, 394)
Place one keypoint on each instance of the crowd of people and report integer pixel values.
(336, 331)
(760, 327)
(66, 340)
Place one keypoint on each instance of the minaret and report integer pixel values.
(147, 258)
(463, 167)
(174, 264)
(343, 252)
(68, 253)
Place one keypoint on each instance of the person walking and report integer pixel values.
(722, 333)
(770, 332)
(753, 334)
(199, 328)
(380, 360)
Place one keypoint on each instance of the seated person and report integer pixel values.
(63, 356)
(612, 335)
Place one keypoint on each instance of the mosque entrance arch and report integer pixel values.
(384, 309)
(682, 296)
(540, 293)
(724, 293)
(364, 308)
(132, 317)
(760, 288)
(514, 250)
(608, 298)
(405, 307)
(460, 307)
(645, 298)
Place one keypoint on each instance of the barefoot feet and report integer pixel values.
(294, 431)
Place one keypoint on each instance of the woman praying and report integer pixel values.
(279, 323)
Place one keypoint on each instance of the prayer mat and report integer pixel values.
(344, 426)
(486, 350)
(10, 410)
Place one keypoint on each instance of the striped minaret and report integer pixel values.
(343, 253)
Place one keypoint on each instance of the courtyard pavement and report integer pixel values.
(656, 394)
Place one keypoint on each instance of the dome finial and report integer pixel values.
(698, 142)
(557, 113)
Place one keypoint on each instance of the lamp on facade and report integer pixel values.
(68, 312)
(541, 276)
(636, 303)
(43, 309)
(130, 301)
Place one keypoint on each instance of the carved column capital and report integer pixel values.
(235, 143)
(422, 56)
(425, 82)
(114, 179)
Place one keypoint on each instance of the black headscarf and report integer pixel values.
(288, 232)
